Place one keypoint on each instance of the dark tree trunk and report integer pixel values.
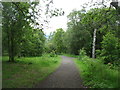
(11, 46)
(12, 49)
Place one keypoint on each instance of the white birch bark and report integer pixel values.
(94, 40)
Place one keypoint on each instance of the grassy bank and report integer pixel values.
(95, 74)
(28, 71)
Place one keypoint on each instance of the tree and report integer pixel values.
(22, 33)
(55, 42)
(14, 23)
(77, 36)
(81, 26)
(58, 40)
(110, 48)
(33, 43)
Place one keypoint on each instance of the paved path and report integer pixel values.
(66, 76)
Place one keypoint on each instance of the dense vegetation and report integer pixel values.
(18, 35)
(96, 74)
(80, 33)
(22, 34)
(93, 35)
(55, 42)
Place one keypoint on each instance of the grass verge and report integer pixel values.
(95, 74)
(28, 71)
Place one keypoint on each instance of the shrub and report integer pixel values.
(96, 74)
(52, 54)
(110, 49)
(82, 53)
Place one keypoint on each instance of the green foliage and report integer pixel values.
(82, 54)
(33, 45)
(55, 42)
(28, 71)
(52, 54)
(96, 74)
(58, 40)
(22, 38)
(110, 49)
(16, 23)
(79, 35)
(19, 37)
(22, 34)
(81, 25)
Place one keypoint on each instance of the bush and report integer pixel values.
(52, 54)
(96, 74)
(82, 53)
(110, 49)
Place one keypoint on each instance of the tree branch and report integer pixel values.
(18, 8)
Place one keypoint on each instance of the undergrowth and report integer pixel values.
(97, 75)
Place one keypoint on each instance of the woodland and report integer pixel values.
(92, 37)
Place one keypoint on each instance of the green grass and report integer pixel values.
(95, 74)
(23, 74)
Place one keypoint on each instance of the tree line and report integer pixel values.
(80, 34)
(97, 31)
(22, 34)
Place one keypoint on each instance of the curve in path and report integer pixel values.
(66, 76)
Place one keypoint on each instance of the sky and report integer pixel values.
(61, 21)
(67, 6)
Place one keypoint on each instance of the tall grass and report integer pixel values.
(95, 74)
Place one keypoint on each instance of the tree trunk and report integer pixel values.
(94, 39)
(11, 47)
(12, 50)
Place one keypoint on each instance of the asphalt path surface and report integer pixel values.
(66, 76)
